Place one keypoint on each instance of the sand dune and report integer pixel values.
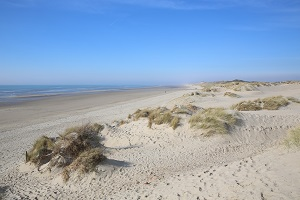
(161, 163)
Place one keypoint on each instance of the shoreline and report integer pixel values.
(61, 106)
(24, 98)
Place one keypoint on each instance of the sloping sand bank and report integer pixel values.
(162, 163)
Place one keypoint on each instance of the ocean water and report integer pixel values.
(19, 93)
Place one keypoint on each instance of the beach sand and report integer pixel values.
(158, 163)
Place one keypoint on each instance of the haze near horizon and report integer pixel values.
(148, 41)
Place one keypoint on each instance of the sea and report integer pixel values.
(10, 94)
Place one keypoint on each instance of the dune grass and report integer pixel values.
(77, 148)
(231, 94)
(88, 160)
(293, 138)
(293, 99)
(236, 85)
(158, 116)
(185, 109)
(274, 103)
(209, 89)
(41, 147)
(85, 129)
(268, 103)
(175, 122)
(248, 105)
(213, 121)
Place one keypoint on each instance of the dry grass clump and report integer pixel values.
(287, 82)
(231, 94)
(293, 138)
(77, 148)
(175, 122)
(236, 85)
(293, 99)
(42, 147)
(201, 94)
(160, 115)
(209, 89)
(188, 109)
(274, 103)
(269, 103)
(213, 120)
(248, 105)
(84, 129)
(88, 160)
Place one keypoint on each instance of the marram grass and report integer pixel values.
(213, 121)
(293, 138)
(268, 103)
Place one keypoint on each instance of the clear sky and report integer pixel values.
(148, 41)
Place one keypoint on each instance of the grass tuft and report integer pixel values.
(175, 122)
(65, 175)
(248, 105)
(189, 109)
(160, 115)
(212, 121)
(85, 129)
(77, 148)
(274, 103)
(231, 94)
(293, 138)
(293, 99)
(41, 148)
(269, 103)
(88, 160)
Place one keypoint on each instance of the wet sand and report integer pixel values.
(37, 111)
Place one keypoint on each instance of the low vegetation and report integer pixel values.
(248, 105)
(240, 85)
(185, 109)
(43, 145)
(160, 115)
(293, 138)
(212, 121)
(293, 99)
(210, 88)
(207, 94)
(269, 103)
(231, 94)
(274, 103)
(175, 122)
(78, 148)
(236, 85)
(88, 160)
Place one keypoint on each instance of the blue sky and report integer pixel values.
(148, 41)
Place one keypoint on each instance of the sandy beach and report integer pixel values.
(250, 162)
